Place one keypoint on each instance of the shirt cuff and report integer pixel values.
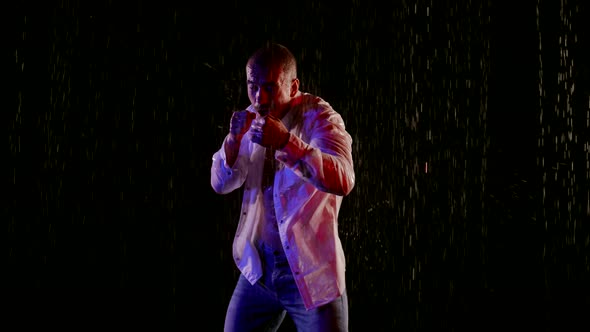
(292, 152)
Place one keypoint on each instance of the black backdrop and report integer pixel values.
(470, 128)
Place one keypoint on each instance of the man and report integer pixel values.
(292, 155)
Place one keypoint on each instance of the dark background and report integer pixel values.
(471, 144)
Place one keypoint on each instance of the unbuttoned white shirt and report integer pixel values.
(315, 172)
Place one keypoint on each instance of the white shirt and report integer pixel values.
(315, 172)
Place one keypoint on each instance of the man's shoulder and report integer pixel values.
(311, 102)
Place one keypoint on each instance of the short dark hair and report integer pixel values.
(272, 54)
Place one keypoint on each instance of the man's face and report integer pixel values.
(268, 90)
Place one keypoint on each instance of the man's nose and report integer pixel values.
(261, 97)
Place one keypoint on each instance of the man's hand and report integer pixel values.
(269, 131)
(240, 124)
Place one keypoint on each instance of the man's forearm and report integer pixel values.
(232, 148)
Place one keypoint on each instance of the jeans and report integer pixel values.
(263, 306)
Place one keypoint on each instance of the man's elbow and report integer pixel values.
(343, 189)
(348, 185)
(217, 185)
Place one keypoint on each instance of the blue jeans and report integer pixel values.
(263, 306)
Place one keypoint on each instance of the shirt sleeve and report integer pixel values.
(225, 179)
(326, 161)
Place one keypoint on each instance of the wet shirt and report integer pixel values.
(314, 172)
(268, 235)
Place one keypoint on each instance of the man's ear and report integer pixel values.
(294, 87)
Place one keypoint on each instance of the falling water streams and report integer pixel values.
(110, 160)
(564, 148)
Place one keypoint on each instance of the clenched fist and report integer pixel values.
(269, 131)
(240, 123)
